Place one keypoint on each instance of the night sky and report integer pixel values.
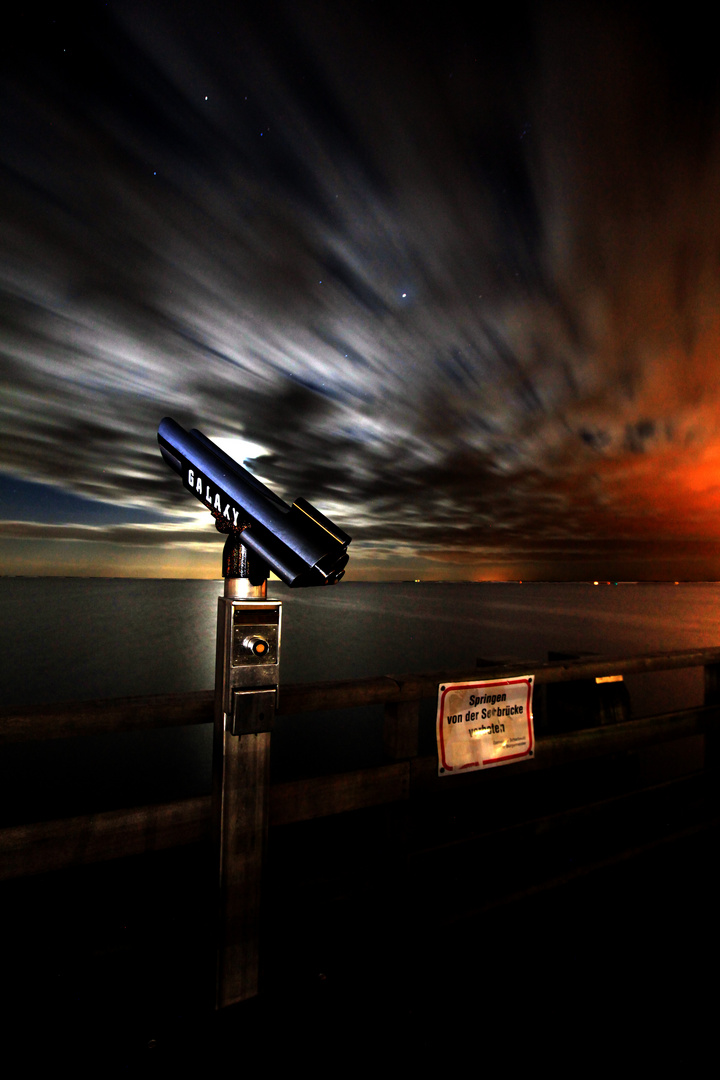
(453, 278)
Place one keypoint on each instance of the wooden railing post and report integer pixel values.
(400, 741)
(712, 697)
(400, 729)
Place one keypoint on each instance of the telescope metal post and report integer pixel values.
(246, 687)
(304, 548)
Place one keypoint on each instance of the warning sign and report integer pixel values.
(481, 724)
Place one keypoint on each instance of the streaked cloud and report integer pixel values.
(456, 278)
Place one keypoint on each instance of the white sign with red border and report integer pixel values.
(482, 724)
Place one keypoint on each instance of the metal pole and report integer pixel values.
(246, 688)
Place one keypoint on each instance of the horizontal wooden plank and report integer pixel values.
(169, 710)
(302, 800)
(571, 670)
(349, 693)
(57, 845)
(340, 694)
(418, 686)
(105, 715)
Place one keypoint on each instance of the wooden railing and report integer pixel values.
(53, 845)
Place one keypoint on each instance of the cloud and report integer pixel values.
(130, 535)
(457, 277)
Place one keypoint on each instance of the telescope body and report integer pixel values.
(297, 542)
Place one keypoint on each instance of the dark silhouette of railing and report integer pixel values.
(40, 847)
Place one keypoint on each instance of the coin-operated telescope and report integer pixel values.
(303, 548)
(296, 542)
